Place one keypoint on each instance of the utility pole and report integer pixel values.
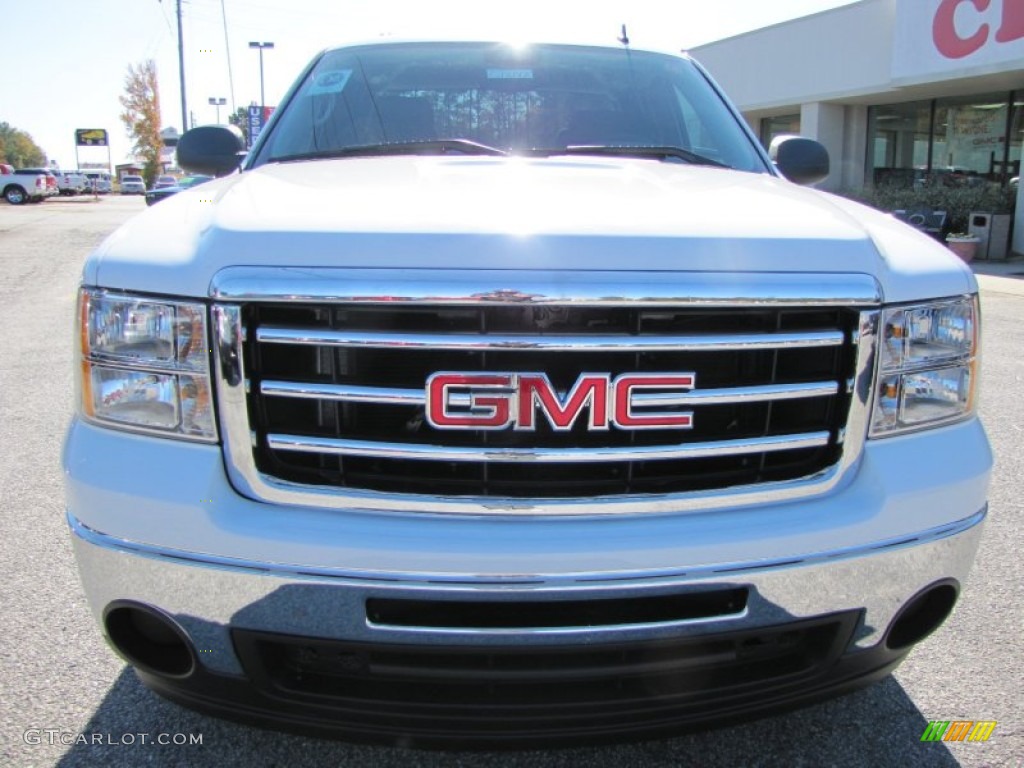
(181, 73)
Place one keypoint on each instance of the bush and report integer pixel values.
(957, 201)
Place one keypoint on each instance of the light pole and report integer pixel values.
(218, 102)
(263, 99)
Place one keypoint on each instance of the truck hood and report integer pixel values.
(568, 214)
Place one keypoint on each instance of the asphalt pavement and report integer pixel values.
(67, 700)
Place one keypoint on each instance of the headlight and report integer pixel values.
(145, 364)
(927, 365)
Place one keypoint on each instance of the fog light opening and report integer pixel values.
(149, 639)
(922, 615)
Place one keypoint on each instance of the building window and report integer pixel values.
(955, 141)
(970, 137)
(899, 141)
(778, 126)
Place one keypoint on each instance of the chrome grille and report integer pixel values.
(321, 386)
(322, 394)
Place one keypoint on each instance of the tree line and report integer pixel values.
(18, 149)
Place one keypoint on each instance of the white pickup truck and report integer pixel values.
(71, 182)
(513, 395)
(22, 187)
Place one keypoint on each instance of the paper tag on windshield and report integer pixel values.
(332, 81)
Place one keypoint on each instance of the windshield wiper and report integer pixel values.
(427, 147)
(660, 153)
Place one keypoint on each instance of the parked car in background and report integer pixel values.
(132, 185)
(52, 187)
(162, 182)
(39, 183)
(155, 195)
(70, 182)
(99, 182)
(19, 187)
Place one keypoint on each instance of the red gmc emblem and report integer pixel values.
(500, 400)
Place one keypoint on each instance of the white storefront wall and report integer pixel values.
(830, 67)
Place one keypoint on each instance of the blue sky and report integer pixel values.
(66, 61)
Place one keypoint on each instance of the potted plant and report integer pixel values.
(963, 244)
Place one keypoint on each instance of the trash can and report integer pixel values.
(994, 231)
(980, 225)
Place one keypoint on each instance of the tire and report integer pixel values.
(15, 195)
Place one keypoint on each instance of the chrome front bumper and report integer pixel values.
(210, 596)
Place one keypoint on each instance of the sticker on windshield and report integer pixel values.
(510, 74)
(331, 81)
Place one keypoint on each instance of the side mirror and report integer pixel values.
(802, 161)
(212, 150)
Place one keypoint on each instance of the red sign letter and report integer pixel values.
(948, 40)
(1012, 27)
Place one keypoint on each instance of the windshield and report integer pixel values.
(477, 98)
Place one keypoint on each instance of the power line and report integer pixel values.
(154, 43)
(227, 52)
(163, 12)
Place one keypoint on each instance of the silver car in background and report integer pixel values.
(133, 185)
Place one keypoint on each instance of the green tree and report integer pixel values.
(18, 149)
(240, 119)
(141, 116)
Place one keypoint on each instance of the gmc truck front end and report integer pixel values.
(509, 395)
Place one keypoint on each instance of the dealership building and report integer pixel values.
(894, 89)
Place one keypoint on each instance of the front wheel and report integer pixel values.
(15, 195)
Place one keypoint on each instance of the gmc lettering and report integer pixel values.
(500, 400)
